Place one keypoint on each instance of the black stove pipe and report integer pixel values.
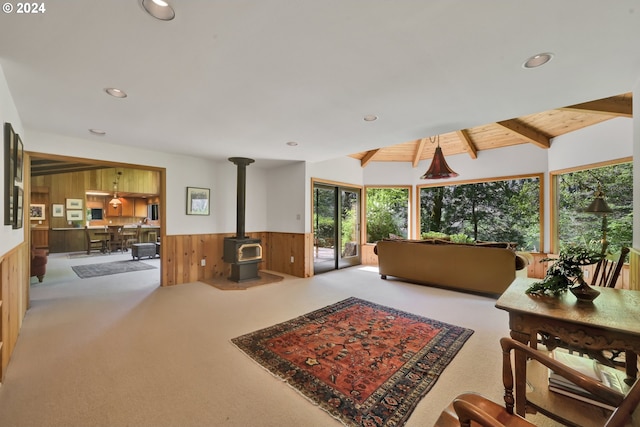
(241, 163)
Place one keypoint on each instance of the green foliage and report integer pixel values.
(461, 238)
(387, 213)
(565, 270)
(506, 210)
(434, 235)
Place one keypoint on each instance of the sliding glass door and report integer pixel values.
(336, 225)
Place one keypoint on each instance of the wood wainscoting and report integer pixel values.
(182, 256)
(14, 299)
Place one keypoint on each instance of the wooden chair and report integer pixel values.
(117, 240)
(607, 272)
(471, 409)
(95, 244)
(133, 238)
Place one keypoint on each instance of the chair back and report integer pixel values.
(607, 272)
(624, 413)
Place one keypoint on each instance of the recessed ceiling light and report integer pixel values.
(538, 60)
(292, 144)
(370, 118)
(117, 93)
(97, 132)
(159, 9)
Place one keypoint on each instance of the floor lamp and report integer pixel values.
(600, 207)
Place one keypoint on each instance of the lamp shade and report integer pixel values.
(115, 202)
(598, 206)
(439, 168)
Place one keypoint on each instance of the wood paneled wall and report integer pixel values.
(73, 185)
(182, 256)
(14, 299)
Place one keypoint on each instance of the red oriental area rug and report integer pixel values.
(365, 364)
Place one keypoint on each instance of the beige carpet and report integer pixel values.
(119, 351)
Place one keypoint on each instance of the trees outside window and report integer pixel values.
(575, 191)
(499, 210)
(387, 213)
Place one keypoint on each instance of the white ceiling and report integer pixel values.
(242, 78)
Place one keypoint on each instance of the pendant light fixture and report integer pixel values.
(115, 201)
(439, 168)
(600, 207)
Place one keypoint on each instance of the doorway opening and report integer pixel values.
(336, 227)
(57, 181)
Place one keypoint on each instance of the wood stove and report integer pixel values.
(243, 253)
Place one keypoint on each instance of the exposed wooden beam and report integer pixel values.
(468, 143)
(615, 106)
(368, 157)
(526, 132)
(418, 153)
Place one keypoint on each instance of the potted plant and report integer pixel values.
(566, 273)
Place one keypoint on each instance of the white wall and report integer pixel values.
(286, 204)
(9, 238)
(636, 167)
(604, 141)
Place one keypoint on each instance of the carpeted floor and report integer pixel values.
(102, 352)
(364, 363)
(107, 268)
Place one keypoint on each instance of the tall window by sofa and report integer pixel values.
(387, 212)
(504, 209)
(574, 192)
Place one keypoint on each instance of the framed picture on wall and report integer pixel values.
(9, 173)
(19, 153)
(57, 210)
(36, 211)
(198, 201)
(74, 215)
(74, 203)
(17, 209)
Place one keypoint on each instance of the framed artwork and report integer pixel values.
(36, 211)
(74, 204)
(74, 215)
(9, 173)
(57, 210)
(19, 153)
(197, 201)
(17, 209)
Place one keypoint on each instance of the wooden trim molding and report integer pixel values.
(634, 269)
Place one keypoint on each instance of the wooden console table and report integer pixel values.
(612, 321)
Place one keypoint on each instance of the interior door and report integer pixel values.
(336, 217)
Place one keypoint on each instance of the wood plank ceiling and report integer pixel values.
(538, 129)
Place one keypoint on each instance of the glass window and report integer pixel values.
(498, 210)
(387, 213)
(576, 190)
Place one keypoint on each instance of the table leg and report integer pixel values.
(520, 376)
(631, 363)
